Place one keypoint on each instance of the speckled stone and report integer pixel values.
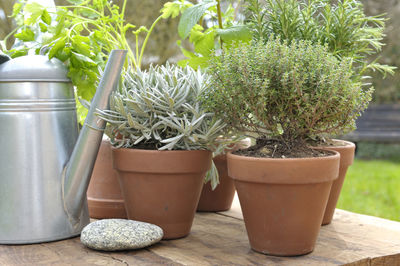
(120, 234)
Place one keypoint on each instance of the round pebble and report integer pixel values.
(120, 234)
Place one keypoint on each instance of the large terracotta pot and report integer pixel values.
(104, 194)
(220, 199)
(346, 150)
(283, 200)
(162, 187)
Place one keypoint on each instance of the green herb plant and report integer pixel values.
(207, 27)
(81, 35)
(160, 109)
(341, 25)
(287, 92)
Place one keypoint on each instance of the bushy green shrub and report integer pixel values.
(341, 25)
(160, 109)
(286, 91)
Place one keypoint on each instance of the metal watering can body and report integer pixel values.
(45, 165)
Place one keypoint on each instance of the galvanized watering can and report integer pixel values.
(45, 165)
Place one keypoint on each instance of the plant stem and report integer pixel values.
(219, 19)
(146, 39)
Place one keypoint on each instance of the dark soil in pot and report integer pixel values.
(162, 187)
(104, 194)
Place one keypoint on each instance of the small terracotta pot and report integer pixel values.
(346, 150)
(283, 200)
(220, 199)
(162, 187)
(104, 194)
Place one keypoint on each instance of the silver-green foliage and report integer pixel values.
(160, 108)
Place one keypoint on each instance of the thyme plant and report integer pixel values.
(289, 92)
(341, 25)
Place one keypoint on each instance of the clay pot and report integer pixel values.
(104, 194)
(346, 150)
(162, 187)
(283, 200)
(220, 199)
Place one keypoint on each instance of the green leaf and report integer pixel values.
(187, 53)
(58, 45)
(80, 44)
(195, 62)
(76, 2)
(17, 7)
(196, 33)
(84, 60)
(205, 45)
(63, 54)
(191, 16)
(170, 10)
(32, 12)
(235, 33)
(26, 35)
(43, 27)
(46, 18)
(60, 22)
(18, 52)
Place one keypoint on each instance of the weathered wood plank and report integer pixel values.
(221, 239)
(392, 260)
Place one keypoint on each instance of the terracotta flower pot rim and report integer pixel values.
(346, 158)
(156, 151)
(143, 161)
(283, 170)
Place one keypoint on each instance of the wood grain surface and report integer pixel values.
(220, 239)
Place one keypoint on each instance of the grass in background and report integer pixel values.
(372, 186)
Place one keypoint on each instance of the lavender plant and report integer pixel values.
(161, 109)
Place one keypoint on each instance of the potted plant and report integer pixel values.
(163, 139)
(283, 94)
(346, 31)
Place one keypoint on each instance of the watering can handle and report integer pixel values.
(4, 58)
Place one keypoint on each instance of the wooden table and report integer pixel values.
(220, 239)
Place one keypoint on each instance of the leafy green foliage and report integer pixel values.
(81, 35)
(191, 16)
(341, 25)
(286, 91)
(206, 27)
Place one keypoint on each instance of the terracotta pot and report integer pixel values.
(162, 187)
(346, 150)
(104, 194)
(220, 199)
(283, 200)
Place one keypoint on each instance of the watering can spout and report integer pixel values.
(78, 171)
